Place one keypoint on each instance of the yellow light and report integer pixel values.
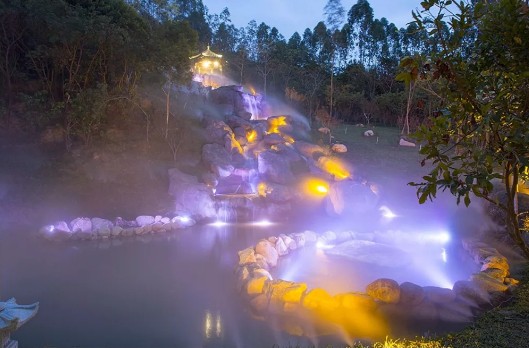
(252, 90)
(251, 136)
(216, 64)
(334, 167)
(262, 189)
(275, 123)
(316, 187)
(206, 63)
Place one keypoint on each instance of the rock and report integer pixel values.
(116, 231)
(259, 303)
(192, 198)
(261, 272)
(456, 312)
(495, 273)
(471, 293)
(324, 130)
(273, 139)
(165, 220)
(481, 253)
(488, 283)
(356, 302)
(144, 220)
(281, 247)
(403, 142)
(128, 232)
(217, 131)
(261, 261)
(339, 148)
(61, 226)
(496, 262)
(99, 224)
(299, 238)
(425, 311)
(347, 198)
(256, 286)
(283, 292)
(310, 236)
(309, 150)
(217, 159)
(268, 251)
(247, 256)
(81, 224)
(385, 290)
(411, 294)
(289, 242)
(277, 193)
(124, 223)
(369, 133)
(320, 299)
(275, 168)
(439, 295)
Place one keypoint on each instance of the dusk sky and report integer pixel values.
(289, 16)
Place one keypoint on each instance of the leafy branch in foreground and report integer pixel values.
(480, 66)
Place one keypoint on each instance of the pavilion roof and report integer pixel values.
(207, 53)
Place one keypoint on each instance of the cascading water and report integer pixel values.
(251, 105)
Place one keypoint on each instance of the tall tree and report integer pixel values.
(483, 133)
(334, 17)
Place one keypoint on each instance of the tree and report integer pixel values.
(482, 134)
(334, 16)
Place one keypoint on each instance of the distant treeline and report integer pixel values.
(63, 61)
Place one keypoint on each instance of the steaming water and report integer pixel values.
(177, 289)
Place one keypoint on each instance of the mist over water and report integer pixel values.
(178, 289)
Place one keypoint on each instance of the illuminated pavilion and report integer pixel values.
(208, 68)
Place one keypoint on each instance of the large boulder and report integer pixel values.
(275, 167)
(191, 197)
(217, 131)
(269, 252)
(385, 290)
(244, 105)
(411, 294)
(217, 159)
(349, 197)
(81, 224)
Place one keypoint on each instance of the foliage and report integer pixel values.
(482, 133)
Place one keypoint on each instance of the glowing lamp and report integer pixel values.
(316, 187)
(262, 189)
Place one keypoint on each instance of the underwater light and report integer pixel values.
(444, 256)
(262, 223)
(387, 213)
(184, 218)
(50, 228)
(218, 223)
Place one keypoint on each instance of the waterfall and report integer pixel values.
(251, 105)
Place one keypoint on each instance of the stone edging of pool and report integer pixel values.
(383, 301)
(84, 228)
